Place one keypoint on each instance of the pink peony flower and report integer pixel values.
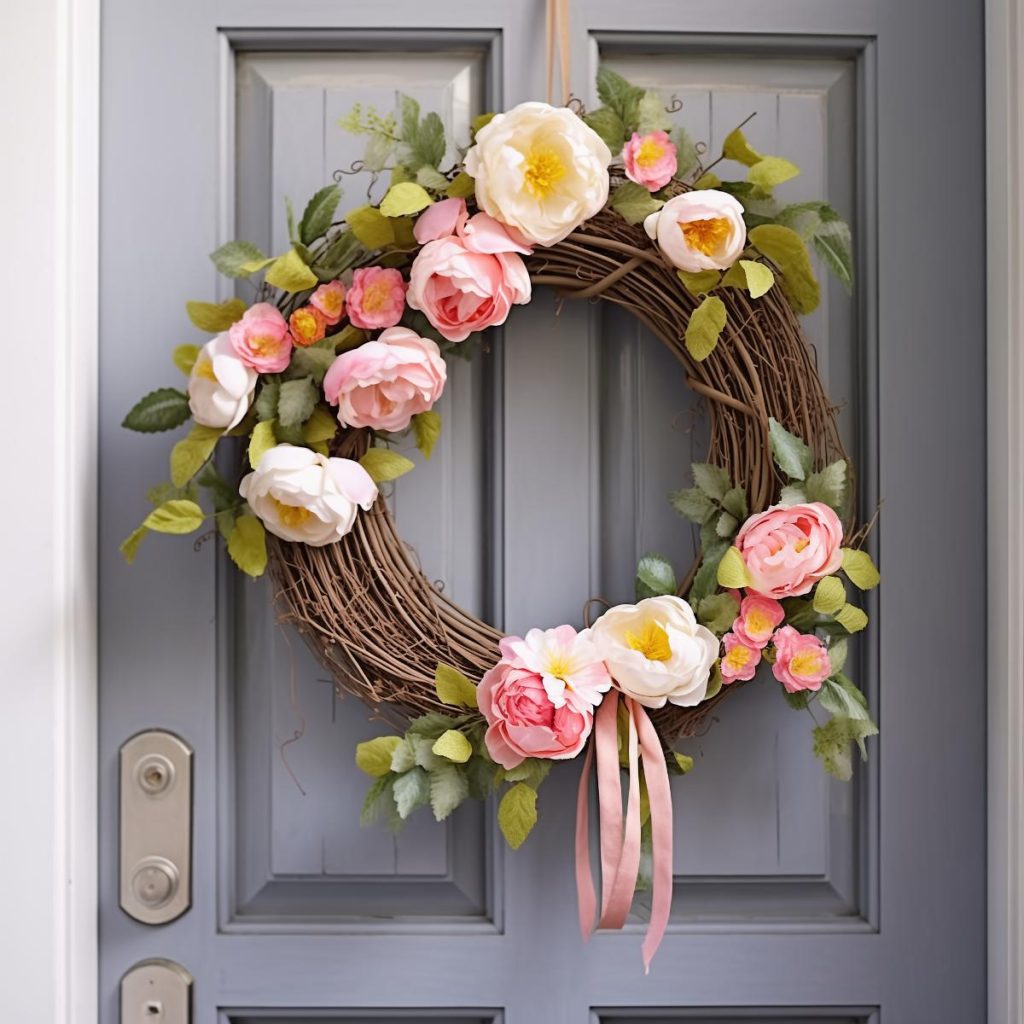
(376, 298)
(740, 660)
(650, 160)
(307, 326)
(261, 339)
(787, 550)
(469, 273)
(386, 382)
(569, 665)
(801, 660)
(522, 719)
(757, 620)
(329, 299)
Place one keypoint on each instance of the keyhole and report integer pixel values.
(154, 777)
(154, 1008)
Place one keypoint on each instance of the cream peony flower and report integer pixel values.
(220, 386)
(306, 497)
(540, 170)
(656, 651)
(700, 230)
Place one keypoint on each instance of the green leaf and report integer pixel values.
(845, 701)
(828, 486)
(297, 401)
(718, 612)
(832, 744)
(633, 202)
(701, 282)
(705, 327)
(371, 227)
(687, 157)
(404, 199)
(247, 545)
(707, 180)
(706, 580)
(319, 213)
(410, 116)
(431, 725)
(232, 258)
(791, 455)
(129, 547)
(608, 126)
(290, 273)
(379, 795)
(759, 278)
(650, 114)
(615, 92)
(262, 440)
(737, 148)
(683, 762)
(189, 454)
(793, 494)
(712, 480)
(693, 504)
(256, 265)
(377, 152)
(517, 814)
(448, 788)
(727, 526)
(453, 687)
(834, 245)
(771, 171)
(290, 214)
(735, 501)
(786, 250)
(462, 186)
(178, 516)
(851, 618)
(338, 256)
(163, 409)
(321, 427)
(214, 317)
(384, 465)
(426, 428)
(430, 177)
(799, 700)
(837, 653)
(732, 570)
(311, 362)
(454, 746)
(860, 569)
(403, 757)
(423, 750)
(481, 121)
(185, 357)
(265, 406)
(655, 577)
(533, 771)
(412, 790)
(428, 144)
(829, 595)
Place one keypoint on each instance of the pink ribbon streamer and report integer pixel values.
(620, 843)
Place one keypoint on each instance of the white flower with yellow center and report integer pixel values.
(305, 497)
(220, 386)
(568, 663)
(540, 170)
(656, 651)
(700, 230)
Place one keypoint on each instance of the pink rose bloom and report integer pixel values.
(261, 339)
(329, 299)
(384, 383)
(650, 160)
(801, 660)
(568, 663)
(469, 273)
(376, 298)
(740, 660)
(522, 720)
(757, 620)
(787, 550)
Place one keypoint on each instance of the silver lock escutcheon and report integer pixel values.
(156, 992)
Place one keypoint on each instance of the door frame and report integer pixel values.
(49, 934)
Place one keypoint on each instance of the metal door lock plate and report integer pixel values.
(156, 828)
(156, 992)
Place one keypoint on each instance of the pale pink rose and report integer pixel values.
(757, 620)
(469, 273)
(261, 339)
(740, 660)
(384, 383)
(801, 660)
(788, 549)
(329, 299)
(650, 160)
(568, 663)
(376, 298)
(523, 721)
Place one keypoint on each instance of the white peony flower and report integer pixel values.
(220, 386)
(700, 230)
(540, 170)
(656, 651)
(306, 497)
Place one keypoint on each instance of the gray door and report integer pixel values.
(797, 899)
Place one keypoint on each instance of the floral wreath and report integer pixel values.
(343, 351)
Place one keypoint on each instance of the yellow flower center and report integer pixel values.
(291, 515)
(304, 323)
(204, 369)
(650, 152)
(264, 344)
(801, 544)
(758, 622)
(559, 666)
(544, 169)
(806, 663)
(331, 302)
(706, 235)
(651, 642)
(737, 658)
(376, 297)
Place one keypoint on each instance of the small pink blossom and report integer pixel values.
(329, 299)
(740, 660)
(568, 663)
(384, 383)
(650, 160)
(757, 620)
(801, 660)
(376, 298)
(261, 339)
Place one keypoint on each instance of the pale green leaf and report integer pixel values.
(423, 750)
(311, 362)
(727, 526)
(254, 266)
(130, 545)
(448, 788)
(737, 148)
(713, 480)
(371, 227)
(178, 516)
(706, 580)
(185, 357)
(687, 157)
(462, 186)
(297, 401)
(262, 440)
(454, 746)
(412, 790)
(771, 171)
(379, 796)
(189, 454)
(735, 277)
(430, 177)
(735, 501)
(453, 687)
(319, 213)
(426, 428)
(732, 570)
(608, 125)
(786, 250)
(693, 504)
(707, 180)
(718, 612)
(705, 327)
(683, 762)
(851, 618)
(700, 282)
(320, 427)
(633, 202)
(793, 494)
(377, 153)
(845, 701)
(791, 455)
(832, 744)
(828, 486)
(829, 595)
(834, 245)
(290, 273)
(655, 577)
(533, 771)
(650, 114)
(233, 258)
(214, 317)
(517, 814)
(759, 278)
(384, 465)
(403, 757)
(860, 569)
(247, 545)
(163, 409)
(837, 653)
(405, 199)
(265, 405)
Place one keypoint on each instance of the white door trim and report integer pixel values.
(49, 74)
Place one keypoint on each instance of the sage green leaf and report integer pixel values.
(380, 795)
(428, 144)
(718, 612)
(129, 547)
(633, 202)
(404, 199)
(453, 687)
(412, 790)
(840, 700)
(832, 744)
(377, 153)
(705, 327)
(735, 501)
(430, 725)
(714, 481)
(727, 526)
(771, 171)
(290, 273)
(608, 126)
(185, 357)
(371, 227)
(338, 256)
(732, 570)
(426, 428)
(715, 682)
(860, 569)
(791, 455)
(707, 180)
(247, 545)
(517, 814)
(759, 278)
(319, 212)
(786, 250)
(297, 401)
(448, 788)
(232, 258)
(799, 700)
(384, 465)
(654, 577)
(290, 214)
(693, 504)
(265, 406)
(177, 516)
(403, 757)
(215, 317)
(410, 117)
(829, 595)
(833, 243)
(321, 427)
(837, 653)
(701, 282)
(650, 114)
(163, 409)
(189, 454)
(828, 486)
(430, 177)
(737, 148)
(851, 618)
(310, 362)
(687, 158)
(262, 440)
(706, 580)
(461, 187)
(533, 771)
(793, 494)
(454, 746)
(615, 92)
